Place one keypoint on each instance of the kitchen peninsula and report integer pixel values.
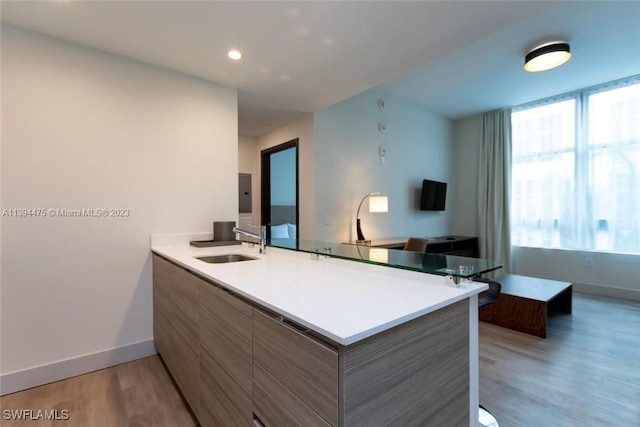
(293, 338)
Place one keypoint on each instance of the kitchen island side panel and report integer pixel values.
(413, 374)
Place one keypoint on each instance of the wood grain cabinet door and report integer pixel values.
(295, 377)
(225, 359)
(177, 294)
(185, 336)
(162, 309)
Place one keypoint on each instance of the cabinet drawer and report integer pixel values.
(307, 368)
(277, 406)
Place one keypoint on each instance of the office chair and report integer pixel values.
(416, 244)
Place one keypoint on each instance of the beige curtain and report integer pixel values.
(494, 174)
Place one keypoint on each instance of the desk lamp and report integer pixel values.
(377, 203)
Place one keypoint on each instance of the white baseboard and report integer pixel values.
(56, 371)
(607, 291)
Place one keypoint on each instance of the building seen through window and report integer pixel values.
(576, 171)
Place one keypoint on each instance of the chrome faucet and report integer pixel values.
(262, 236)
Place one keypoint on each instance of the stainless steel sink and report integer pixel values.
(225, 258)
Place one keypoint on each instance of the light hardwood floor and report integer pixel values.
(134, 394)
(586, 373)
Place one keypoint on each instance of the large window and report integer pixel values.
(576, 171)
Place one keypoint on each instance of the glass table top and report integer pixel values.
(444, 265)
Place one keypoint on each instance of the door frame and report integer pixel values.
(265, 183)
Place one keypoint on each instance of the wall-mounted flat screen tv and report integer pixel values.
(433, 196)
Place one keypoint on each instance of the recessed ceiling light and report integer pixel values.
(547, 56)
(234, 54)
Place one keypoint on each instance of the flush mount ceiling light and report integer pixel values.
(234, 54)
(547, 56)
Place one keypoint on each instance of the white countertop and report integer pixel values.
(345, 301)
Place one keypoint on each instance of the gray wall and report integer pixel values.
(464, 194)
(347, 167)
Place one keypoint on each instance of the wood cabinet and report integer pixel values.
(225, 358)
(234, 360)
(203, 334)
(162, 309)
(185, 350)
(295, 376)
(176, 320)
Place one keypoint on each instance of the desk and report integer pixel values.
(444, 245)
(454, 245)
(390, 243)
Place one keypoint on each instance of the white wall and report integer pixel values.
(303, 130)
(85, 129)
(347, 167)
(611, 275)
(249, 162)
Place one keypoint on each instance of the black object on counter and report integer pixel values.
(223, 235)
(223, 231)
(210, 243)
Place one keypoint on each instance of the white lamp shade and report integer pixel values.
(378, 204)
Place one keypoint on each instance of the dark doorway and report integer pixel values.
(279, 192)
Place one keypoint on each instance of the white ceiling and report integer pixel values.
(455, 58)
